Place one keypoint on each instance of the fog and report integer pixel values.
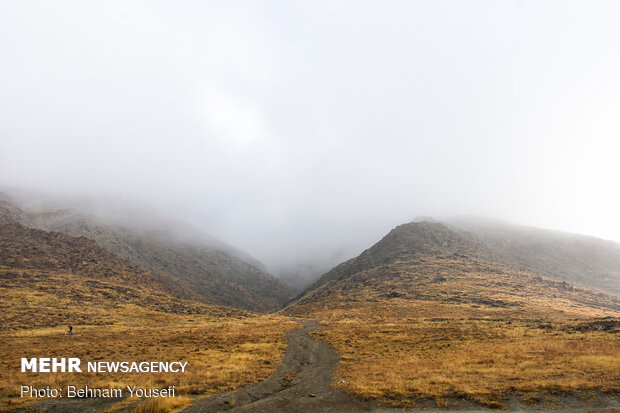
(301, 132)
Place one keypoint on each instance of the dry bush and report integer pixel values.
(163, 404)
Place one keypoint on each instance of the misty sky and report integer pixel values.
(300, 130)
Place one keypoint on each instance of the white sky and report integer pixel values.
(300, 130)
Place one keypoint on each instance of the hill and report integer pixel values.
(432, 314)
(49, 280)
(584, 260)
(188, 262)
(443, 269)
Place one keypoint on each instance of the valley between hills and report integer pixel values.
(458, 315)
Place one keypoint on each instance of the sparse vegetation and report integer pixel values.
(446, 286)
(163, 405)
(203, 270)
(398, 363)
(429, 314)
(119, 313)
(222, 353)
(418, 316)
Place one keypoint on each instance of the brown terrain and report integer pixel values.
(430, 314)
(432, 317)
(588, 261)
(49, 280)
(184, 260)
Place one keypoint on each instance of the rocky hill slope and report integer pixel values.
(195, 267)
(429, 267)
(587, 261)
(49, 279)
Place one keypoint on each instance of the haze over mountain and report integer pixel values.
(428, 266)
(576, 258)
(190, 180)
(50, 278)
(295, 129)
(192, 264)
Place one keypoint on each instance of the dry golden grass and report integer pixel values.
(221, 354)
(223, 348)
(119, 312)
(163, 405)
(123, 405)
(437, 327)
(116, 321)
(33, 298)
(481, 360)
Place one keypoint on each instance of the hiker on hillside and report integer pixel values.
(70, 330)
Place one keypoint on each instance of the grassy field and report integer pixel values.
(399, 362)
(442, 327)
(224, 347)
(221, 353)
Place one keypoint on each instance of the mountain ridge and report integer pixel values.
(581, 259)
(193, 270)
(422, 263)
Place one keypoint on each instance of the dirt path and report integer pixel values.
(301, 383)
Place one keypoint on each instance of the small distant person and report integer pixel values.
(70, 330)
